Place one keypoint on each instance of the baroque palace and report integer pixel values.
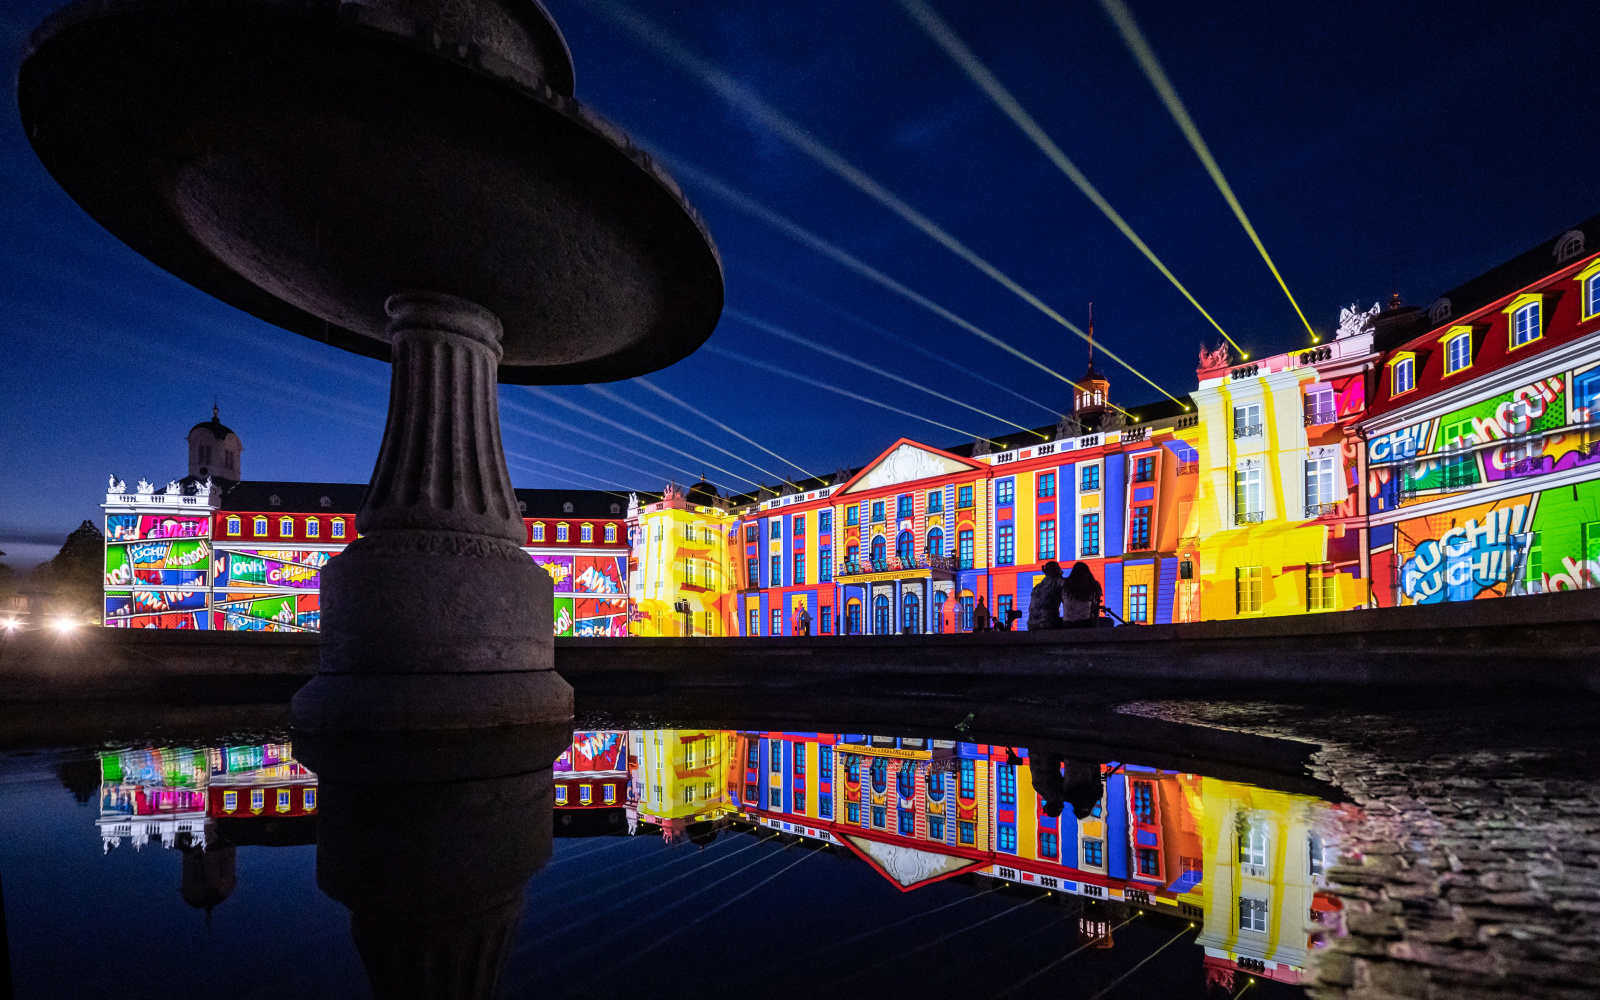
(1421, 455)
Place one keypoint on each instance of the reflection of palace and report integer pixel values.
(1417, 456)
(1245, 862)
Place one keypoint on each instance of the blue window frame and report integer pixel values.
(825, 621)
(1144, 809)
(799, 567)
(777, 621)
(908, 823)
(1139, 603)
(880, 775)
(1091, 535)
(1525, 325)
(1139, 529)
(1144, 469)
(964, 497)
(1007, 775)
(877, 511)
(752, 533)
(852, 515)
(799, 800)
(799, 526)
(825, 564)
(1047, 540)
(964, 548)
(824, 521)
(1149, 862)
(825, 761)
(936, 542)
(775, 798)
(969, 779)
(879, 553)
(1047, 844)
(1047, 484)
(905, 546)
(1092, 853)
(1090, 480)
(935, 827)
(1008, 838)
(777, 528)
(968, 831)
(935, 501)
(776, 580)
(752, 569)
(1002, 607)
(903, 506)
(825, 806)
(852, 812)
(879, 819)
(755, 621)
(775, 751)
(1591, 296)
(1005, 550)
(1005, 492)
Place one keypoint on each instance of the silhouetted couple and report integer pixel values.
(1064, 602)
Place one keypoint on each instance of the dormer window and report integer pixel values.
(234, 526)
(561, 530)
(1588, 281)
(275, 500)
(1458, 350)
(286, 527)
(259, 527)
(338, 527)
(325, 502)
(586, 533)
(611, 531)
(313, 527)
(522, 506)
(1527, 314)
(616, 508)
(566, 508)
(538, 531)
(1402, 374)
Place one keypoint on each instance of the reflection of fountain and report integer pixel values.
(321, 165)
(430, 841)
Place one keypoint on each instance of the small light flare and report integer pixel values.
(63, 625)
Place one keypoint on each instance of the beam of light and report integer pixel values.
(708, 418)
(634, 956)
(957, 50)
(580, 432)
(730, 90)
(897, 956)
(786, 373)
(549, 396)
(570, 471)
(610, 890)
(879, 930)
(514, 461)
(868, 324)
(504, 426)
(1118, 981)
(602, 391)
(1019, 985)
(558, 479)
(751, 207)
(1122, 17)
(795, 338)
(569, 856)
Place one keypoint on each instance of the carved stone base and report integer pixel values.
(435, 618)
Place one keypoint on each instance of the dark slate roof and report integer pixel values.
(585, 503)
(215, 426)
(1161, 409)
(1518, 272)
(295, 498)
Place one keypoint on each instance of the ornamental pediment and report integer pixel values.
(907, 865)
(906, 463)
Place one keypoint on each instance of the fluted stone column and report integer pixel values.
(434, 618)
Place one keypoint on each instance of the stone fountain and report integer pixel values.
(410, 180)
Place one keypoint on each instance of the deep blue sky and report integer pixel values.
(1377, 147)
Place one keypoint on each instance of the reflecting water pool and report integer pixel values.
(678, 860)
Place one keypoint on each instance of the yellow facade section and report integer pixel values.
(681, 553)
(682, 773)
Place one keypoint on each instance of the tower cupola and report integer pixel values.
(214, 450)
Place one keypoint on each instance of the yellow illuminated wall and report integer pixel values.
(680, 552)
(681, 774)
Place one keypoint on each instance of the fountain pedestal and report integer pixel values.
(434, 617)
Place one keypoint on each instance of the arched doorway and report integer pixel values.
(880, 615)
(910, 613)
(939, 597)
(852, 617)
(905, 548)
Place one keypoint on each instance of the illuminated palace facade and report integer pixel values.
(1417, 456)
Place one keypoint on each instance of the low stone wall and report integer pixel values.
(1545, 640)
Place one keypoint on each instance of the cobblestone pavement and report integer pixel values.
(1473, 869)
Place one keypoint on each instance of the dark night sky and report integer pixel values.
(1376, 147)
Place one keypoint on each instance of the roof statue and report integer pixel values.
(116, 485)
(1353, 321)
(145, 486)
(1068, 425)
(1220, 357)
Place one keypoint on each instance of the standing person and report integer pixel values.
(1080, 599)
(1044, 608)
(805, 621)
(980, 617)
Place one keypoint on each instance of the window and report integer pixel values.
(799, 567)
(1322, 587)
(1089, 479)
(964, 547)
(755, 622)
(824, 521)
(935, 827)
(1048, 844)
(1005, 492)
(1091, 535)
(688, 572)
(903, 506)
(1047, 484)
(285, 527)
(1093, 853)
(1247, 494)
(877, 511)
(879, 553)
(1139, 528)
(825, 564)
(1007, 838)
(825, 758)
(338, 527)
(258, 799)
(1139, 603)
(1149, 862)
(308, 799)
(852, 812)
(752, 533)
(777, 622)
(1319, 485)
(586, 533)
(538, 530)
(234, 525)
(1144, 809)
(752, 571)
(1006, 546)
(1525, 324)
(1591, 297)
(776, 579)
(908, 823)
(1047, 540)
(964, 497)
(561, 532)
(1252, 914)
(935, 542)
(1247, 584)
(935, 501)
(906, 548)
(1320, 408)
(825, 807)
(777, 528)
(879, 817)
(313, 527)
(1402, 376)
(774, 798)
(1006, 776)
(1144, 469)
(799, 526)
(967, 832)
(1458, 352)
(799, 800)
(852, 515)
(1002, 607)
(611, 533)
(1247, 420)
(969, 778)
(230, 801)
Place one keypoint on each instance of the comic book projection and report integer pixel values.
(157, 571)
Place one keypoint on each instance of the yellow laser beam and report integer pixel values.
(817, 383)
(605, 393)
(946, 38)
(675, 52)
(708, 418)
(795, 338)
(551, 397)
(1134, 38)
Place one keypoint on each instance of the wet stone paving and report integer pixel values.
(1463, 875)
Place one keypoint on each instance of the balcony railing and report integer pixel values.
(896, 564)
(1320, 509)
(1315, 418)
(1132, 434)
(1249, 517)
(1246, 430)
(1093, 487)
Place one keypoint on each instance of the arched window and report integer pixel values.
(880, 775)
(935, 542)
(936, 788)
(286, 527)
(905, 548)
(878, 558)
(906, 782)
(880, 615)
(910, 613)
